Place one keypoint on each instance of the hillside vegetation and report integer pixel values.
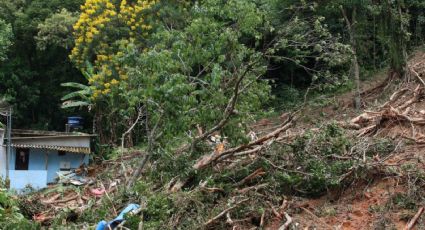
(212, 114)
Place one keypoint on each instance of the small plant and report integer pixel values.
(328, 211)
(10, 215)
(376, 208)
(403, 201)
(316, 167)
(159, 209)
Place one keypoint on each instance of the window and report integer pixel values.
(61, 153)
(22, 157)
(64, 166)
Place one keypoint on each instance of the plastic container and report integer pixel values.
(75, 121)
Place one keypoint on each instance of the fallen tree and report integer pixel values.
(256, 146)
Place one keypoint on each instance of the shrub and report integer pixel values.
(10, 215)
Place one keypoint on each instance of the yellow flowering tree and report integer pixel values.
(102, 34)
(104, 28)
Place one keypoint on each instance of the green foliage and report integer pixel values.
(394, 33)
(83, 95)
(286, 98)
(30, 78)
(403, 201)
(316, 155)
(159, 209)
(382, 29)
(5, 38)
(56, 30)
(10, 216)
(186, 74)
(300, 43)
(323, 160)
(190, 77)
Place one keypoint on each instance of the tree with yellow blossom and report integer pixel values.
(104, 28)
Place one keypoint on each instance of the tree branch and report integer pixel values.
(227, 112)
(139, 116)
(152, 137)
(221, 214)
(206, 160)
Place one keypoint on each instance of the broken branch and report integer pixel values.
(208, 159)
(413, 221)
(224, 212)
(228, 111)
(287, 223)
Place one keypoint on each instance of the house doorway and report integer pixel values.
(22, 157)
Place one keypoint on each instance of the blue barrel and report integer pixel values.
(75, 122)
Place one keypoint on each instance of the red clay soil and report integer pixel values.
(356, 209)
(366, 206)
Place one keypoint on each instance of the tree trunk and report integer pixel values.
(355, 62)
(138, 171)
(357, 98)
(402, 44)
(152, 137)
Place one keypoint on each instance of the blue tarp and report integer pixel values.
(102, 225)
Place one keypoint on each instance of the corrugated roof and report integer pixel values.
(18, 134)
(71, 149)
(49, 137)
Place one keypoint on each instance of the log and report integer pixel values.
(256, 173)
(208, 159)
(413, 221)
(287, 223)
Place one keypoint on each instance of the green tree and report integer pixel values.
(5, 39)
(31, 77)
(56, 30)
(394, 33)
(202, 52)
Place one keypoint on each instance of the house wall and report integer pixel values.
(37, 161)
(19, 179)
(54, 161)
(2, 155)
(2, 162)
(43, 164)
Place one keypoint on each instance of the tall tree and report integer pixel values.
(31, 77)
(395, 33)
(351, 27)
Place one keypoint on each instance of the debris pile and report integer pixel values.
(77, 193)
(403, 115)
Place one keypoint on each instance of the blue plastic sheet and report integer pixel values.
(102, 225)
